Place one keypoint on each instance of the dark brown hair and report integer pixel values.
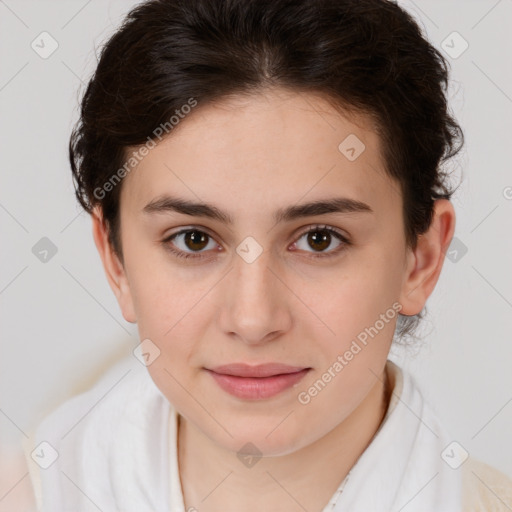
(367, 56)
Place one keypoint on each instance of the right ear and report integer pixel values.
(113, 267)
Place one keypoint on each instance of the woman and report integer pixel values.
(265, 185)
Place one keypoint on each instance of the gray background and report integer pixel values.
(61, 325)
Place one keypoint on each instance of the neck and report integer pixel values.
(213, 478)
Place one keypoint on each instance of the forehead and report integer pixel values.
(279, 145)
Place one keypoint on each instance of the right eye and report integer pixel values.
(192, 242)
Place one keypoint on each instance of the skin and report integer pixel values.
(250, 156)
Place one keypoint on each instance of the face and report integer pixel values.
(268, 279)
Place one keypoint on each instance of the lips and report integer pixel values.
(257, 382)
(262, 370)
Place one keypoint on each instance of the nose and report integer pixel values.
(254, 301)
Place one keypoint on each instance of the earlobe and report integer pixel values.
(112, 266)
(426, 261)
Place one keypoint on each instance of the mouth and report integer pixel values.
(257, 382)
(260, 370)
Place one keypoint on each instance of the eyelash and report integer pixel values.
(185, 255)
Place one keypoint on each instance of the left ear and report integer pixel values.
(426, 261)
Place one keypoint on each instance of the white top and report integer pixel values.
(175, 491)
(114, 448)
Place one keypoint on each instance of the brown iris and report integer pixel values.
(321, 241)
(196, 240)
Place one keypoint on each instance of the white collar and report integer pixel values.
(114, 453)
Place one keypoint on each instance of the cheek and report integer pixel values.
(170, 314)
(174, 310)
(360, 308)
(170, 311)
(157, 302)
(161, 291)
(353, 296)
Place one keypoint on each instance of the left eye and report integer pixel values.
(320, 238)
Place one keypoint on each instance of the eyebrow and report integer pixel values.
(167, 204)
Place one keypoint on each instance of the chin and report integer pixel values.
(260, 438)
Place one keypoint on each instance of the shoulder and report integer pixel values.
(83, 436)
(118, 394)
(481, 487)
(485, 488)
